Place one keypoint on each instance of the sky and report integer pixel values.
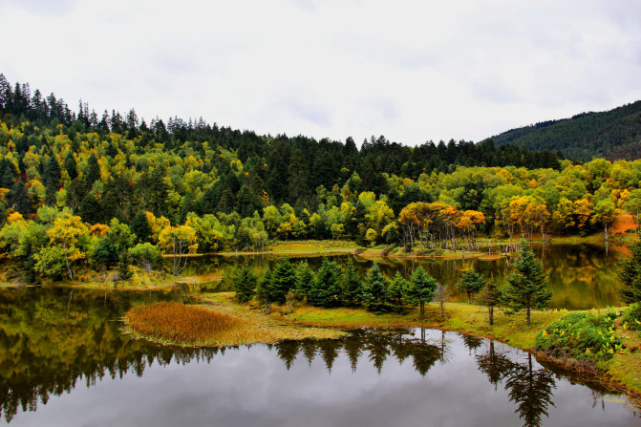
(412, 71)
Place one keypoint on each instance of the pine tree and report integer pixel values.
(630, 276)
(283, 279)
(471, 283)
(395, 293)
(70, 166)
(375, 291)
(351, 284)
(304, 280)
(20, 199)
(491, 296)
(244, 284)
(421, 289)
(141, 228)
(527, 285)
(326, 289)
(263, 287)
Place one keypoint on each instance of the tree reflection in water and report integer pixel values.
(530, 389)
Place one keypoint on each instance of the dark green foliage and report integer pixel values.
(19, 198)
(70, 166)
(582, 336)
(141, 228)
(244, 283)
(105, 254)
(263, 287)
(124, 261)
(304, 280)
(91, 172)
(613, 133)
(421, 289)
(283, 279)
(375, 291)
(351, 284)
(396, 293)
(527, 287)
(471, 283)
(326, 289)
(630, 276)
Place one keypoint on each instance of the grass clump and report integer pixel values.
(174, 322)
(580, 336)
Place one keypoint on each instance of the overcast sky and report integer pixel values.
(409, 70)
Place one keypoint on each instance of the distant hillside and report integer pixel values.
(614, 134)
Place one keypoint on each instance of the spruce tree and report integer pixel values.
(629, 276)
(375, 291)
(396, 292)
(351, 284)
(304, 280)
(421, 289)
(283, 279)
(20, 199)
(244, 284)
(527, 287)
(326, 289)
(491, 296)
(263, 287)
(471, 283)
(141, 228)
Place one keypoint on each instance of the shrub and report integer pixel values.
(582, 336)
(632, 317)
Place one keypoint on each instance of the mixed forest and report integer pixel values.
(80, 188)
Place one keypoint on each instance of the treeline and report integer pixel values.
(192, 187)
(614, 134)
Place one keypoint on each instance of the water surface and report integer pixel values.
(63, 361)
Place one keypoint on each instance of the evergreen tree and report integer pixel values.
(244, 283)
(283, 279)
(629, 276)
(527, 285)
(92, 172)
(351, 284)
(70, 166)
(375, 291)
(20, 199)
(304, 280)
(326, 289)
(263, 288)
(471, 283)
(491, 296)
(124, 261)
(396, 292)
(141, 228)
(421, 288)
(105, 254)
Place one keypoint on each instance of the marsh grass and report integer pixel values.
(218, 322)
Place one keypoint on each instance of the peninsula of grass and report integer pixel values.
(176, 324)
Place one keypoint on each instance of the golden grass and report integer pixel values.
(238, 325)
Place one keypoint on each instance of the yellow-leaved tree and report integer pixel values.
(179, 242)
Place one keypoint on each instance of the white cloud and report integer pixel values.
(411, 70)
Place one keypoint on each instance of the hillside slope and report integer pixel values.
(614, 134)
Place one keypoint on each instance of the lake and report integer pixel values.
(581, 276)
(64, 362)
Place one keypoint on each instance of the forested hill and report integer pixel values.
(614, 134)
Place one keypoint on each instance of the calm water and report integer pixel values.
(63, 362)
(581, 276)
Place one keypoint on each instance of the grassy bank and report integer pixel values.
(215, 324)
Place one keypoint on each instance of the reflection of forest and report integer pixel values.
(52, 338)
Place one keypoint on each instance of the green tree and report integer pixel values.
(326, 290)
(244, 283)
(351, 284)
(304, 280)
(629, 276)
(491, 296)
(283, 279)
(147, 255)
(141, 228)
(263, 287)
(396, 293)
(105, 255)
(471, 283)
(421, 289)
(527, 287)
(375, 291)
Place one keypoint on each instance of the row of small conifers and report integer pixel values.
(580, 337)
